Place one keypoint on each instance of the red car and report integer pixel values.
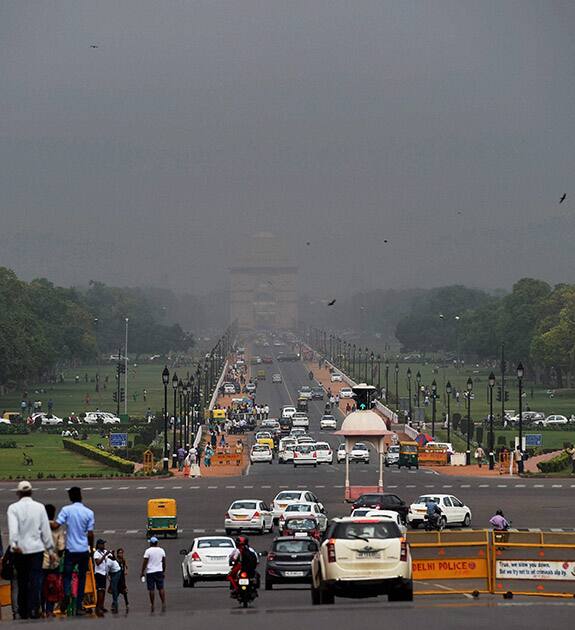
(302, 525)
(267, 360)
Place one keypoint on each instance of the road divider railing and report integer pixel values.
(533, 562)
(451, 562)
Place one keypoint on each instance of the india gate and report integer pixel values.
(263, 292)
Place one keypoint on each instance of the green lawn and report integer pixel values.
(49, 457)
(71, 397)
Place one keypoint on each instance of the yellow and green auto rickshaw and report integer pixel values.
(162, 518)
(408, 455)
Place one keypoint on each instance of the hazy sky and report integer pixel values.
(445, 127)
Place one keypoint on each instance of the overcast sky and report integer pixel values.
(444, 127)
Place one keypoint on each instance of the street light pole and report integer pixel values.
(182, 416)
(371, 360)
(126, 371)
(418, 381)
(433, 407)
(352, 371)
(175, 388)
(386, 381)
(448, 394)
(491, 381)
(365, 361)
(165, 381)
(520, 373)
(409, 391)
(468, 451)
(379, 375)
(396, 388)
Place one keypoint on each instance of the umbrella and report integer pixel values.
(423, 438)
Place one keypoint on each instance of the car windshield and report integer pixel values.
(393, 449)
(215, 543)
(304, 448)
(288, 496)
(426, 498)
(299, 507)
(322, 447)
(366, 530)
(360, 447)
(294, 546)
(244, 505)
(301, 523)
(263, 435)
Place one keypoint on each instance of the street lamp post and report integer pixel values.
(433, 407)
(379, 375)
(409, 391)
(187, 389)
(371, 360)
(520, 373)
(175, 388)
(448, 395)
(126, 370)
(396, 388)
(491, 382)
(386, 381)
(165, 381)
(418, 381)
(353, 365)
(181, 407)
(365, 363)
(468, 451)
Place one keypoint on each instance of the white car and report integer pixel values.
(327, 422)
(305, 439)
(454, 512)
(300, 419)
(285, 450)
(359, 453)
(362, 557)
(552, 421)
(297, 433)
(207, 559)
(304, 455)
(345, 392)
(261, 453)
(288, 412)
(250, 387)
(229, 388)
(388, 515)
(276, 378)
(306, 509)
(248, 514)
(324, 453)
(335, 377)
(304, 393)
(341, 454)
(286, 498)
(392, 455)
(47, 420)
(100, 417)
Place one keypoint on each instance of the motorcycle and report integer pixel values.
(434, 524)
(247, 589)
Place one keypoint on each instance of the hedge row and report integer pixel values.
(93, 452)
(557, 464)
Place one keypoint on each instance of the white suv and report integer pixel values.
(362, 557)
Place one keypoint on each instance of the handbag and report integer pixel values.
(7, 572)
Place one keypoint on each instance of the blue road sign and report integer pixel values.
(119, 440)
(533, 439)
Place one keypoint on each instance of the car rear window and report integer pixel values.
(260, 447)
(369, 530)
(294, 546)
(216, 543)
(322, 447)
(288, 496)
(426, 498)
(299, 507)
(244, 505)
(301, 523)
(304, 448)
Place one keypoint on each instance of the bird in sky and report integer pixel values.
(93, 46)
(385, 240)
(308, 243)
(331, 303)
(563, 197)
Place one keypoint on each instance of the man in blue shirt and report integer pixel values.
(79, 521)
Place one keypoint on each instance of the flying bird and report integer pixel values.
(308, 243)
(93, 46)
(331, 303)
(563, 198)
(385, 240)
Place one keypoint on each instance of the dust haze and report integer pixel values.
(445, 128)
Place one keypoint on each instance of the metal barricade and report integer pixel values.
(534, 562)
(455, 561)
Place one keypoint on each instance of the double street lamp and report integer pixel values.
(396, 388)
(448, 391)
(520, 373)
(409, 392)
(491, 381)
(433, 407)
(468, 451)
(418, 382)
(165, 381)
(174, 451)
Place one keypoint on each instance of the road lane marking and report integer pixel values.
(212, 487)
(465, 485)
(90, 488)
(132, 531)
(199, 531)
(483, 485)
(109, 531)
(538, 485)
(557, 485)
(106, 488)
(519, 485)
(267, 487)
(158, 487)
(231, 487)
(410, 486)
(430, 485)
(247, 487)
(448, 486)
(194, 487)
(138, 488)
(176, 487)
(124, 488)
(502, 485)
(320, 486)
(390, 486)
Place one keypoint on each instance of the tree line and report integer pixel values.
(43, 326)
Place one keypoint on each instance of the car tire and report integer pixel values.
(228, 532)
(414, 524)
(326, 595)
(443, 523)
(403, 593)
(268, 585)
(315, 599)
(467, 521)
(315, 465)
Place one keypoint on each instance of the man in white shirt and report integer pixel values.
(100, 558)
(153, 571)
(29, 535)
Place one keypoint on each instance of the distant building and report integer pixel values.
(263, 294)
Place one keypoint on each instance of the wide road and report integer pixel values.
(120, 508)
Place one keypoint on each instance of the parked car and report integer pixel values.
(289, 561)
(362, 557)
(100, 417)
(207, 559)
(454, 511)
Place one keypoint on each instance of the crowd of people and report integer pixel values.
(49, 555)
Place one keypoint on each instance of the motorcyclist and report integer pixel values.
(433, 511)
(242, 559)
(499, 522)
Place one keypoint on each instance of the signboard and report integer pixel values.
(119, 440)
(450, 569)
(148, 461)
(535, 570)
(533, 439)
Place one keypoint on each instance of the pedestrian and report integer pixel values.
(52, 586)
(571, 451)
(518, 458)
(122, 584)
(79, 521)
(208, 453)
(479, 455)
(100, 558)
(153, 572)
(29, 535)
(181, 457)
(115, 573)
(145, 394)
